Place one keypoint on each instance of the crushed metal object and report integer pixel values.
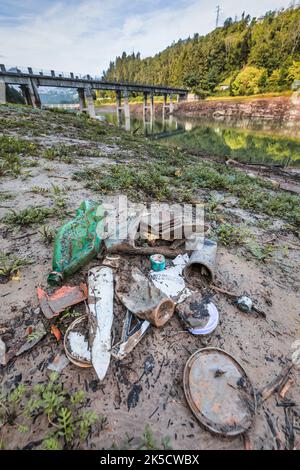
(66, 296)
(225, 403)
(130, 337)
(143, 298)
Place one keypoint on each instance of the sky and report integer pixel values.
(85, 35)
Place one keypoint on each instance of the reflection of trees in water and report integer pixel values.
(214, 138)
(241, 145)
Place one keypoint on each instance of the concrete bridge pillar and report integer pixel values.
(26, 95)
(171, 106)
(89, 98)
(2, 92)
(145, 104)
(152, 106)
(126, 110)
(119, 106)
(82, 103)
(126, 104)
(164, 106)
(34, 94)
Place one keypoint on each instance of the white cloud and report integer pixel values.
(85, 37)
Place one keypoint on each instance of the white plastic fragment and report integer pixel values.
(101, 293)
(2, 353)
(171, 282)
(59, 363)
(79, 345)
(212, 323)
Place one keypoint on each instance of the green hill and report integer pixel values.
(243, 57)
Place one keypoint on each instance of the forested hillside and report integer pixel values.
(244, 57)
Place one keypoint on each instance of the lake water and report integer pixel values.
(245, 140)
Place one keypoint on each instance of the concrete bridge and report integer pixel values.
(29, 80)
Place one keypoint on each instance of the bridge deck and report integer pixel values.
(21, 78)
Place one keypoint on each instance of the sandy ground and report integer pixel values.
(263, 346)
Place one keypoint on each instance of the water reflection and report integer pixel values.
(247, 140)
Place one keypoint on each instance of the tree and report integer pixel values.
(250, 81)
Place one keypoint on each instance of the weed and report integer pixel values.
(6, 196)
(48, 234)
(51, 443)
(9, 266)
(262, 253)
(39, 190)
(69, 425)
(146, 180)
(146, 442)
(29, 216)
(61, 152)
(10, 151)
(228, 234)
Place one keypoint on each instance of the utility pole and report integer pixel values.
(218, 16)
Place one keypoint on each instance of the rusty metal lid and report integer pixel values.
(219, 392)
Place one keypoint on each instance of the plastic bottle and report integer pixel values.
(76, 242)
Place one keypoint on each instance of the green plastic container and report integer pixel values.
(76, 242)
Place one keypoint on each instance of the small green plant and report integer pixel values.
(146, 442)
(58, 198)
(29, 216)
(10, 265)
(47, 233)
(62, 153)
(6, 196)
(69, 424)
(228, 234)
(51, 443)
(39, 190)
(10, 151)
(262, 253)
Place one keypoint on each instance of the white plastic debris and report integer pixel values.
(79, 345)
(212, 323)
(59, 363)
(171, 282)
(101, 294)
(2, 353)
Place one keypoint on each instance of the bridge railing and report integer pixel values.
(46, 73)
(70, 75)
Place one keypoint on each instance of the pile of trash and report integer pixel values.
(216, 386)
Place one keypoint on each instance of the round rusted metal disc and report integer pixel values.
(219, 392)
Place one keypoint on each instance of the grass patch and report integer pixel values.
(6, 196)
(11, 149)
(47, 234)
(147, 181)
(10, 266)
(229, 235)
(62, 153)
(69, 422)
(29, 216)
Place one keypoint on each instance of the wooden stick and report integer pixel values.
(274, 386)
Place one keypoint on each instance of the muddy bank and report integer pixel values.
(281, 108)
(65, 159)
